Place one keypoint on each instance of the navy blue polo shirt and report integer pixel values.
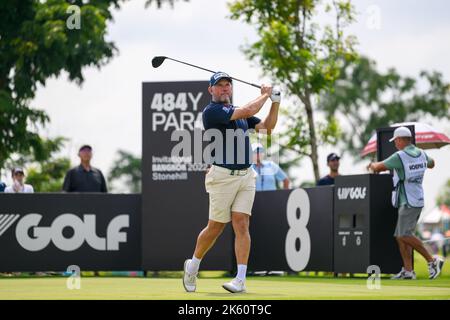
(326, 181)
(217, 116)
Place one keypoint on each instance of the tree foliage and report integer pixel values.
(127, 171)
(35, 45)
(45, 169)
(37, 42)
(302, 55)
(364, 99)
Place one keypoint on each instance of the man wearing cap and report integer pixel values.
(333, 164)
(268, 172)
(84, 178)
(19, 185)
(409, 165)
(230, 181)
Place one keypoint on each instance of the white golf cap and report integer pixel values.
(401, 132)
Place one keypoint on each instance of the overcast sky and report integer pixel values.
(106, 110)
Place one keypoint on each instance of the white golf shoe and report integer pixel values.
(189, 280)
(235, 286)
(435, 267)
(405, 275)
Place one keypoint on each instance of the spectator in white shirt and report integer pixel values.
(19, 185)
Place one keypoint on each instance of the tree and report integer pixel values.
(46, 172)
(302, 55)
(365, 99)
(39, 40)
(37, 44)
(444, 196)
(48, 176)
(127, 170)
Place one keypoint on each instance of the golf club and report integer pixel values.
(158, 60)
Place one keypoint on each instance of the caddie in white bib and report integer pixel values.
(414, 170)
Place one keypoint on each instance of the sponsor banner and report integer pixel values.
(292, 230)
(174, 200)
(172, 119)
(49, 232)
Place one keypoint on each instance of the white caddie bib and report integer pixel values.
(414, 168)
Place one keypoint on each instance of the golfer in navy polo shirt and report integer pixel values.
(230, 181)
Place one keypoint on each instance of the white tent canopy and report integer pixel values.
(433, 216)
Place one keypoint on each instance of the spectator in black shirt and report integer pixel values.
(85, 178)
(333, 163)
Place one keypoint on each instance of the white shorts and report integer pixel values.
(229, 193)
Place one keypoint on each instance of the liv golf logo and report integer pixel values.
(33, 237)
(6, 221)
(354, 193)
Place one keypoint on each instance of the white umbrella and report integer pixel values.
(427, 137)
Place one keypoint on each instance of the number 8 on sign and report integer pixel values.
(298, 259)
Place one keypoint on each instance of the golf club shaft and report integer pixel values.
(192, 65)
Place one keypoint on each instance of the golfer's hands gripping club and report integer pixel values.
(276, 95)
(266, 90)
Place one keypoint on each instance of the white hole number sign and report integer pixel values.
(298, 259)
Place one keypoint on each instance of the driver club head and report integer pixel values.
(157, 61)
